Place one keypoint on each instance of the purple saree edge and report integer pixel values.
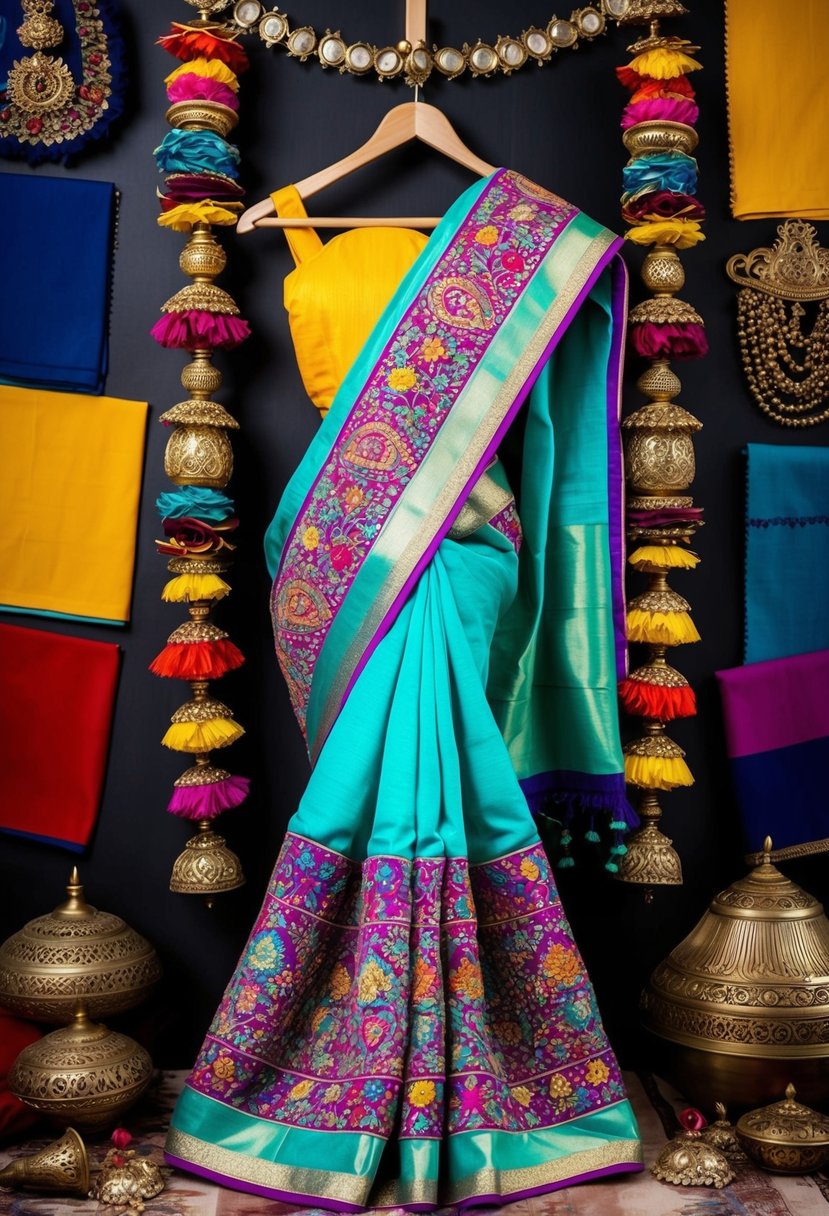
(340, 1205)
(616, 474)
(426, 557)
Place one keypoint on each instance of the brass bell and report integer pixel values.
(206, 866)
(61, 1167)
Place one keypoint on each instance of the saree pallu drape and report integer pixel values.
(411, 1023)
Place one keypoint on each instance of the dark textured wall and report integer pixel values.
(559, 125)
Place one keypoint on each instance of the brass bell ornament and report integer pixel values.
(75, 953)
(689, 1159)
(62, 1168)
(740, 1008)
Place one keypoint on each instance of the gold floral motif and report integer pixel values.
(560, 965)
(597, 1072)
(522, 1095)
(301, 1090)
(421, 1093)
(371, 982)
(402, 378)
(467, 980)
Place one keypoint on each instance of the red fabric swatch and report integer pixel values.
(15, 1116)
(55, 713)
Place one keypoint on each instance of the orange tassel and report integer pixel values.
(657, 700)
(197, 660)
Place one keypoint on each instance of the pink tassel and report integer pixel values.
(660, 109)
(192, 87)
(194, 328)
(685, 341)
(208, 801)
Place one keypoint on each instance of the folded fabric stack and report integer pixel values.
(775, 707)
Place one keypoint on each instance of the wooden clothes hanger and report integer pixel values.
(411, 120)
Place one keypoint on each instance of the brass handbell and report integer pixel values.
(61, 1167)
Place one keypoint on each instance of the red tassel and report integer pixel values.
(684, 341)
(657, 701)
(186, 44)
(197, 660)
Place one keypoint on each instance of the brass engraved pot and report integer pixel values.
(659, 450)
(659, 135)
(84, 1074)
(201, 115)
(75, 953)
(786, 1137)
(199, 456)
(741, 1007)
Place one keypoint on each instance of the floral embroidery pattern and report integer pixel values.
(369, 998)
(392, 425)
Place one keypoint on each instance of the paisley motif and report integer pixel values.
(462, 302)
(301, 607)
(377, 448)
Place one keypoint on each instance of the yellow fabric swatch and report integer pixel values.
(337, 292)
(70, 483)
(778, 108)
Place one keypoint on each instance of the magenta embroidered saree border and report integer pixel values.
(401, 412)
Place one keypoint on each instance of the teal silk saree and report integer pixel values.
(411, 1023)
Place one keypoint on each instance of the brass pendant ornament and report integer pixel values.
(787, 368)
(46, 113)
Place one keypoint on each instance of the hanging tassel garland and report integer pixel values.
(661, 205)
(646, 90)
(663, 557)
(203, 792)
(661, 628)
(202, 736)
(197, 660)
(192, 87)
(211, 69)
(182, 217)
(658, 691)
(681, 233)
(657, 772)
(684, 341)
(184, 42)
(189, 588)
(201, 725)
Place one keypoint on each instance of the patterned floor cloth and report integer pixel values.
(752, 1193)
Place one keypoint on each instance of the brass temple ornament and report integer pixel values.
(415, 63)
(786, 368)
(47, 112)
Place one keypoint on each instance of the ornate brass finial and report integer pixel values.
(795, 267)
(647, 12)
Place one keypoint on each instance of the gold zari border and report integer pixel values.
(325, 1184)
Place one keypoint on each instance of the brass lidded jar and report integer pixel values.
(740, 1008)
(786, 1137)
(75, 953)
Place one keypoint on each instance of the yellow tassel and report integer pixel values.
(657, 772)
(661, 628)
(214, 69)
(202, 736)
(682, 234)
(663, 64)
(185, 588)
(665, 557)
(183, 217)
